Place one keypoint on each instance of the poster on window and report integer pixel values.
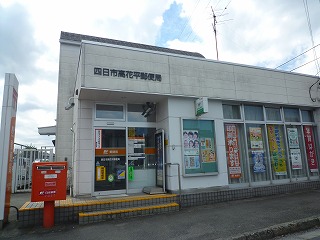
(192, 162)
(199, 155)
(233, 151)
(208, 155)
(296, 159)
(293, 138)
(100, 173)
(310, 148)
(258, 161)
(207, 150)
(256, 137)
(191, 142)
(277, 150)
(98, 140)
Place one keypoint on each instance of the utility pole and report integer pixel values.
(214, 25)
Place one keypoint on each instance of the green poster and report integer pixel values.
(130, 173)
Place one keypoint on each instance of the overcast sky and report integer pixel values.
(262, 33)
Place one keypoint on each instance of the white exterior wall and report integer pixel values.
(183, 80)
(317, 121)
(84, 153)
(69, 55)
(193, 77)
(183, 108)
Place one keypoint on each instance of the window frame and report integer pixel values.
(111, 119)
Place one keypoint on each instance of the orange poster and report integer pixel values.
(233, 151)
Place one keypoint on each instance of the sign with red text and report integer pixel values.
(310, 148)
(233, 151)
(7, 134)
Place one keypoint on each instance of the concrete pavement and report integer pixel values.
(313, 234)
(256, 218)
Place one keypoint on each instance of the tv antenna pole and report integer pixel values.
(214, 25)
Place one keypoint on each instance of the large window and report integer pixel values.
(253, 113)
(273, 114)
(135, 114)
(199, 147)
(295, 145)
(307, 116)
(108, 111)
(141, 147)
(110, 160)
(258, 159)
(236, 154)
(231, 111)
(277, 150)
(278, 143)
(291, 114)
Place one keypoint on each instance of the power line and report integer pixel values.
(195, 26)
(305, 3)
(310, 31)
(305, 64)
(188, 20)
(224, 9)
(190, 30)
(296, 56)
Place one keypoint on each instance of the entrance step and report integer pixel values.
(99, 216)
(87, 210)
(153, 190)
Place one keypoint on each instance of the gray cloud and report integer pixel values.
(18, 47)
(19, 54)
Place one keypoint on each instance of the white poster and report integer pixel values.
(293, 138)
(256, 137)
(191, 142)
(98, 138)
(192, 162)
(296, 158)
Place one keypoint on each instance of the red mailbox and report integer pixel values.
(49, 183)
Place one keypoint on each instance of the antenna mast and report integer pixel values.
(215, 30)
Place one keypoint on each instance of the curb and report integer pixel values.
(280, 229)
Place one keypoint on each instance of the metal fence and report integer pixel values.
(22, 166)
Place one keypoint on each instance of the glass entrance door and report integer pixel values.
(110, 160)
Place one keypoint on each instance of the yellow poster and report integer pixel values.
(277, 150)
(101, 173)
(131, 131)
(208, 155)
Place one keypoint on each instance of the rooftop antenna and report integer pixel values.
(214, 25)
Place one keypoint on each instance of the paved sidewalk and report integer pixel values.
(256, 218)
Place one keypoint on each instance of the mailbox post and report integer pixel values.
(49, 183)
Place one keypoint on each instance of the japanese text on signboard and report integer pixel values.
(233, 153)
(310, 147)
(127, 74)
